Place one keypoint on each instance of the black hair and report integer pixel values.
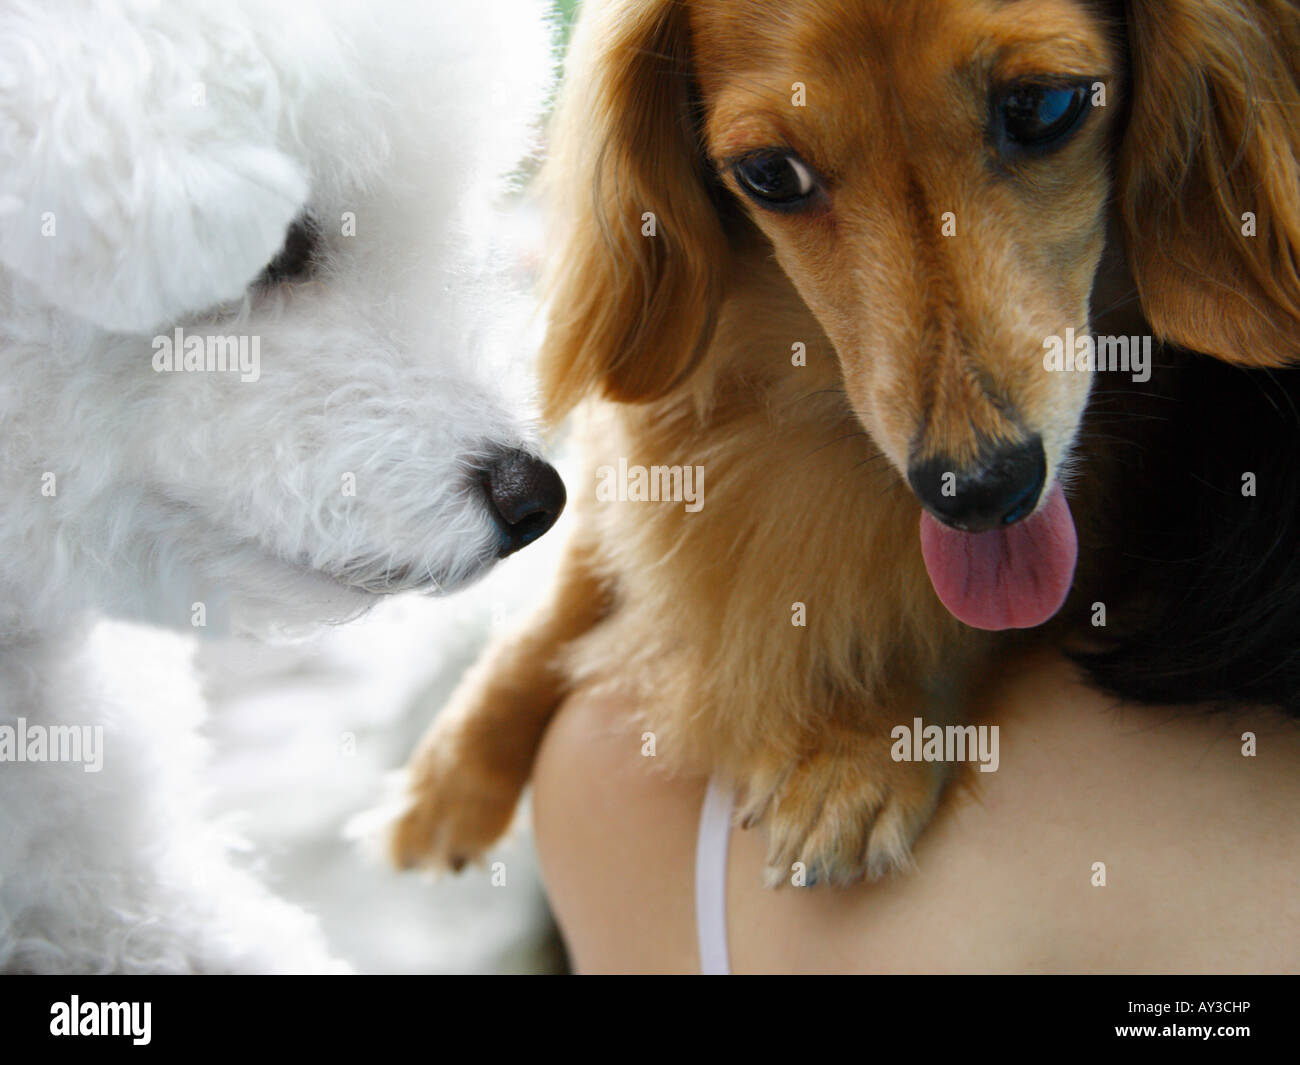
(1199, 566)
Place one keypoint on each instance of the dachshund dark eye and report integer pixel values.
(777, 180)
(296, 258)
(1040, 118)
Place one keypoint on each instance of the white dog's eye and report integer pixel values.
(297, 257)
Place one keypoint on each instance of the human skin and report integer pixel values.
(1199, 841)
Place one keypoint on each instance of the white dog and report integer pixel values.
(255, 370)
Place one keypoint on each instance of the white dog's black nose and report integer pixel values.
(526, 495)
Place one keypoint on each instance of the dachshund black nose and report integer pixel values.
(1002, 487)
(525, 496)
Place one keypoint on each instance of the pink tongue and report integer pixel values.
(1011, 578)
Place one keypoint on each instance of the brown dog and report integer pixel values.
(818, 249)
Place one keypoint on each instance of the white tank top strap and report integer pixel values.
(711, 880)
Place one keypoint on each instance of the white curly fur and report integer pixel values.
(152, 156)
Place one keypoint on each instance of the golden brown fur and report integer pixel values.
(916, 342)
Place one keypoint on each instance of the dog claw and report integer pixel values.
(846, 815)
(457, 811)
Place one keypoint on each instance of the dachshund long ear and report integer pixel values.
(637, 246)
(1210, 174)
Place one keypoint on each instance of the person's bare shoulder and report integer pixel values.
(616, 834)
(1110, 838)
